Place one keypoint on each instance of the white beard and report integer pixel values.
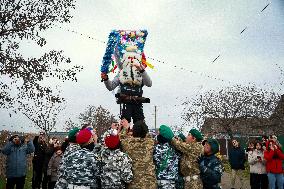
(125, 72)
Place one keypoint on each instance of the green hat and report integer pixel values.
(196, 134)
(72, 134)
(166, 132)
(213, 143)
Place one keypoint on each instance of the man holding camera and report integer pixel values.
(16, 151)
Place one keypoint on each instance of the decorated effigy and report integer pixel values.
(125, 52)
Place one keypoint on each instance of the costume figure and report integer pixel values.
(126, 49)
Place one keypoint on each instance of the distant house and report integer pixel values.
(245, 128)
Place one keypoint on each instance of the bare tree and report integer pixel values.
(44, 111)
(69, 124)
(229, 106)
(99, 117)
(25, 20)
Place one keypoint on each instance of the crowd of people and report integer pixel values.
(265, 159)
(125, 157)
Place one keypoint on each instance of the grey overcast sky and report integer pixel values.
(187, 34)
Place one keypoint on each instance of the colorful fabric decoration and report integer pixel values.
(121, 41)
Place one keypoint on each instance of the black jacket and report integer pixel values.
(39, 154)
(211, 170)
(237, 158)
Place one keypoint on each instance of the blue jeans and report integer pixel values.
(275, 179)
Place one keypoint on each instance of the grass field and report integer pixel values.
(28, 183)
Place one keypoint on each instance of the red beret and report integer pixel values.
(83, 136)
(112, 141)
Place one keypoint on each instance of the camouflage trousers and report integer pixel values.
(193, 182)
(166, 184)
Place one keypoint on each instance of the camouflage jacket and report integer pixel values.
(116, 169)
(211, 171)
(166, 159)
(78, 167)
(190, 153)
(140, 150)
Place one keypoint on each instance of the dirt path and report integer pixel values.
(226, 182)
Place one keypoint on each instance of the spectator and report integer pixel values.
(237, 158)
(117, 166)
(53, 167)
(49, 151)
(166, 159)
(210, 166)
(264, 141)
(38, 160)
(70, 147)
(140, 150)
(258, 176)
(16, 168)
(250, 147)
(274, 156)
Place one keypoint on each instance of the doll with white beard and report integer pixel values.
(127, 49)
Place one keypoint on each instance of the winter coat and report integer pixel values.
(116, 169)
(256, 166)
(78, 167)
(211, 170)
(39, 154)
(17, 158)
(237, 158)
(166, 159)
(53, 167)
(273, 160)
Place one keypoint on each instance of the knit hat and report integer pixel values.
(166, 132)
(72, 134)
(112, 141)
(83, 136)
(213, 143)
(196, 134)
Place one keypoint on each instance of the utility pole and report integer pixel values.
(155, 118)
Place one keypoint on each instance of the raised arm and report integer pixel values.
(111, 85)
(182, 146)
(30, 147)
(7, 148)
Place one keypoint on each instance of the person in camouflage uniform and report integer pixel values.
(166, 159)
(140, 149)
(210, 166)
(116, 166)
(79, 166)
(191, 149)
